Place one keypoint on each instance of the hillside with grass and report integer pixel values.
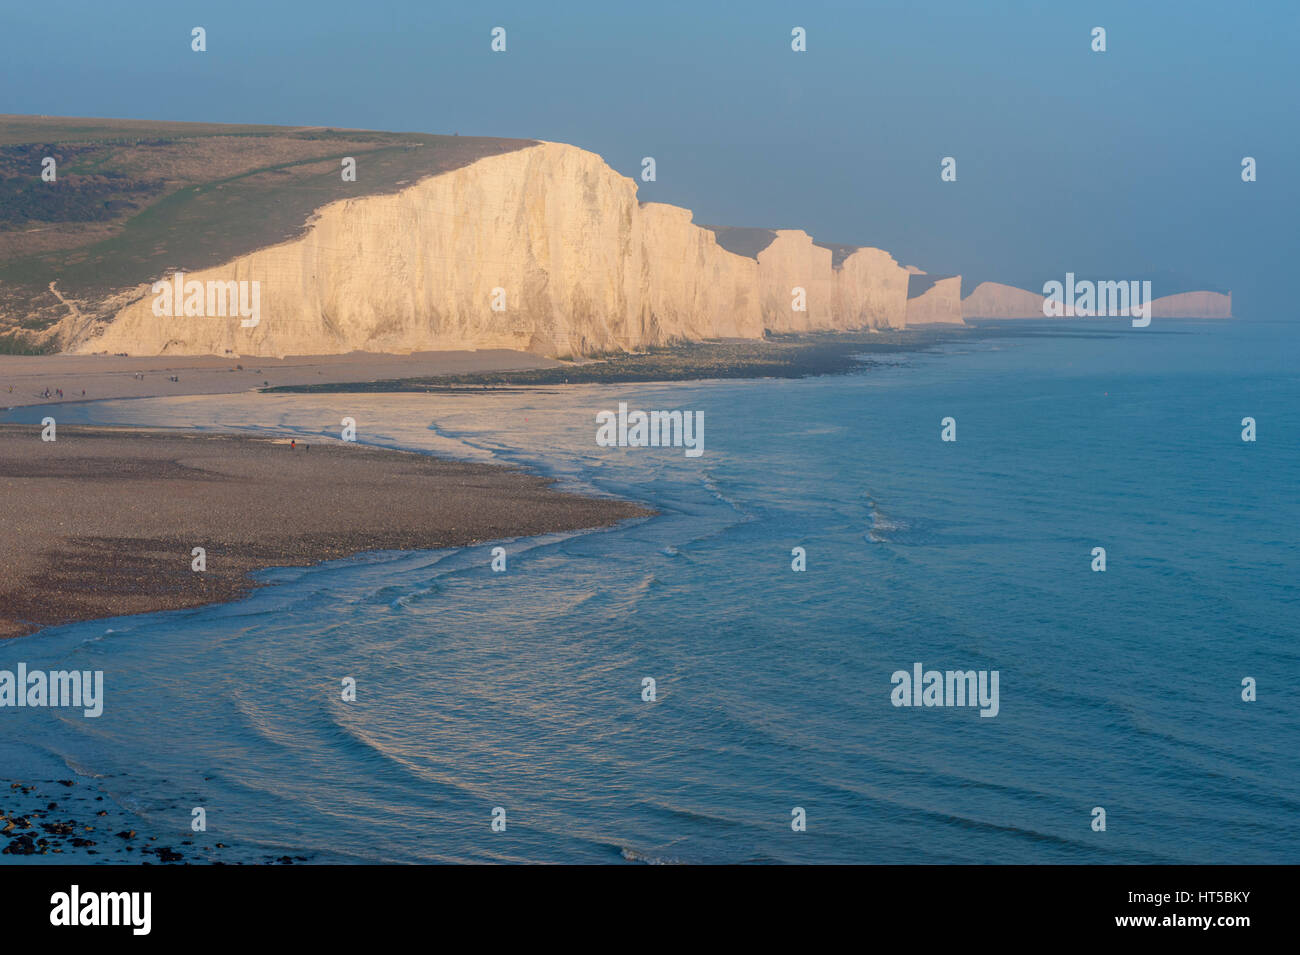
(134, 199)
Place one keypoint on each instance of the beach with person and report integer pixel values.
(103, 521)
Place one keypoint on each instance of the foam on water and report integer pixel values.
(523, 689)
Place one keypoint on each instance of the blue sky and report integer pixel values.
(1123, 164)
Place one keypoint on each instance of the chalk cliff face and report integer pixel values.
(419, 269)
(934, 299)
(844, 287)
(692, 288)
(793, 261)
(546, 249)
(1193, 305)
(995, 300)
(871, 290)
(549, 235)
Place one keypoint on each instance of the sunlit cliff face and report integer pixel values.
(544, 249)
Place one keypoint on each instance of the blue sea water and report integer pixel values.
(522, 689)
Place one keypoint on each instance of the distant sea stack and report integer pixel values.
(551, 236)
(995, 300)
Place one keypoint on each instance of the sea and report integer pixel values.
(507, 716)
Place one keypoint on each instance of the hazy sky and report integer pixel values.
(1123, 164)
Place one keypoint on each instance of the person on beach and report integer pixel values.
(293, 445)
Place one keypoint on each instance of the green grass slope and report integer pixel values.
(134, 199)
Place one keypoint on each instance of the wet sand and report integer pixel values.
(102, 521)
(24, 378)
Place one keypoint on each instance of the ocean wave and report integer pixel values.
(883, 528)
(710, 485)
(631, 855)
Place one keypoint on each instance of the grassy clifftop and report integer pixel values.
(134, 199)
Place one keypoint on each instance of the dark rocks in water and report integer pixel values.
(167, 854)
(59, 828)
(21, 846)
(66, 782)
(125, 834)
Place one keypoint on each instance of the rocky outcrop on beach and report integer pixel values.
(79, 825)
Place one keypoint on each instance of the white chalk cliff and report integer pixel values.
(572, 261)
(933, 299)
(582, 267)
(1193, 305)
(995, 300)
